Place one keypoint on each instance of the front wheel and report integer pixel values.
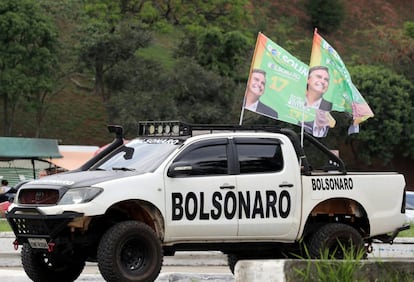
(338, 241)
(130, 251)
(42, 266)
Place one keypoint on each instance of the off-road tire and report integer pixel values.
(44, 267)
(337, 239)
(130, 251)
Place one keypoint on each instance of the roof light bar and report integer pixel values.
(163, 128)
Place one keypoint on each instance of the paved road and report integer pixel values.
(168, 274)
(184, 267)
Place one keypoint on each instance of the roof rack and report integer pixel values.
(182, 129)
(179, 129)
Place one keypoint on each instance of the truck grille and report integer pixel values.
(24, 226)
(38, 197)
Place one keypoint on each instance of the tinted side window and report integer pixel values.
(256, 157)
(209, 159)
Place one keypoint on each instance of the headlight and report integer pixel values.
(80, 195)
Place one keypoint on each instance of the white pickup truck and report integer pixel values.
(250, 192)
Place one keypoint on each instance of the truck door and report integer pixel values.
(268, 188)
(201, 195)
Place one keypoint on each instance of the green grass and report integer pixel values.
(327, 269)
(351, 268)
(407, 233)
(4, 225)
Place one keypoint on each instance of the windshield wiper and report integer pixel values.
(123, 168)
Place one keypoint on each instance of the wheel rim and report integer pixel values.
(51, 263)
(133, 255)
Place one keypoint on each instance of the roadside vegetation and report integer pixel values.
(326, 269)
(408, 233)
(4, 226)
(352, 268)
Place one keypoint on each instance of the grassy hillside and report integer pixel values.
(73, 117)
(77, 116)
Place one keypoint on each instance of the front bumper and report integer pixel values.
(28, 222)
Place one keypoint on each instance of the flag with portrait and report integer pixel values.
(277, 87)
(342, 93)
(276, 83)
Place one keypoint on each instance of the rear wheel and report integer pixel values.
(336, 240)
(43, 266)
(130, 251)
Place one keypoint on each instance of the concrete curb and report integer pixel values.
(186, 277)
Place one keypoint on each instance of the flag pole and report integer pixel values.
(242, 110)
(302, 127)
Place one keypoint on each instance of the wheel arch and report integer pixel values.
(138, 210)
(341, 210)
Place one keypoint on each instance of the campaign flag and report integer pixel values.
(276, 84)
(342, 93)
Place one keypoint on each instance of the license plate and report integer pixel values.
(38, 243)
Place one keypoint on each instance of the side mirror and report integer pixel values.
(179, 169)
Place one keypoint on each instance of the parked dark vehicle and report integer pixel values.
(409, 205)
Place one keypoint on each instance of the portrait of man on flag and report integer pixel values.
(342, 93)
(255, 89)
(276, 83)
(317, 85)
(282, 87)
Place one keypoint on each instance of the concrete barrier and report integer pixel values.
(314, 270)
(401, 248)
(395, 259)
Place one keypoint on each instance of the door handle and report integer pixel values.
(288, 185)
(227, 187)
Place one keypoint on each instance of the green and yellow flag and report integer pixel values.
(276, 84)
(342, 93)
(281, 87)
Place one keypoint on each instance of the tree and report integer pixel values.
(225, 53)
(409, 29)
(202, 96)
(389, 47)
(391, 130)
(140, 91)
(28, 44)
(227, 14)
(113, 36)
(110, 35)
(190, 93)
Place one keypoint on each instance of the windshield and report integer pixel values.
(138, 155)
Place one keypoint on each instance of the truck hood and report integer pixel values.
(77, 179)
